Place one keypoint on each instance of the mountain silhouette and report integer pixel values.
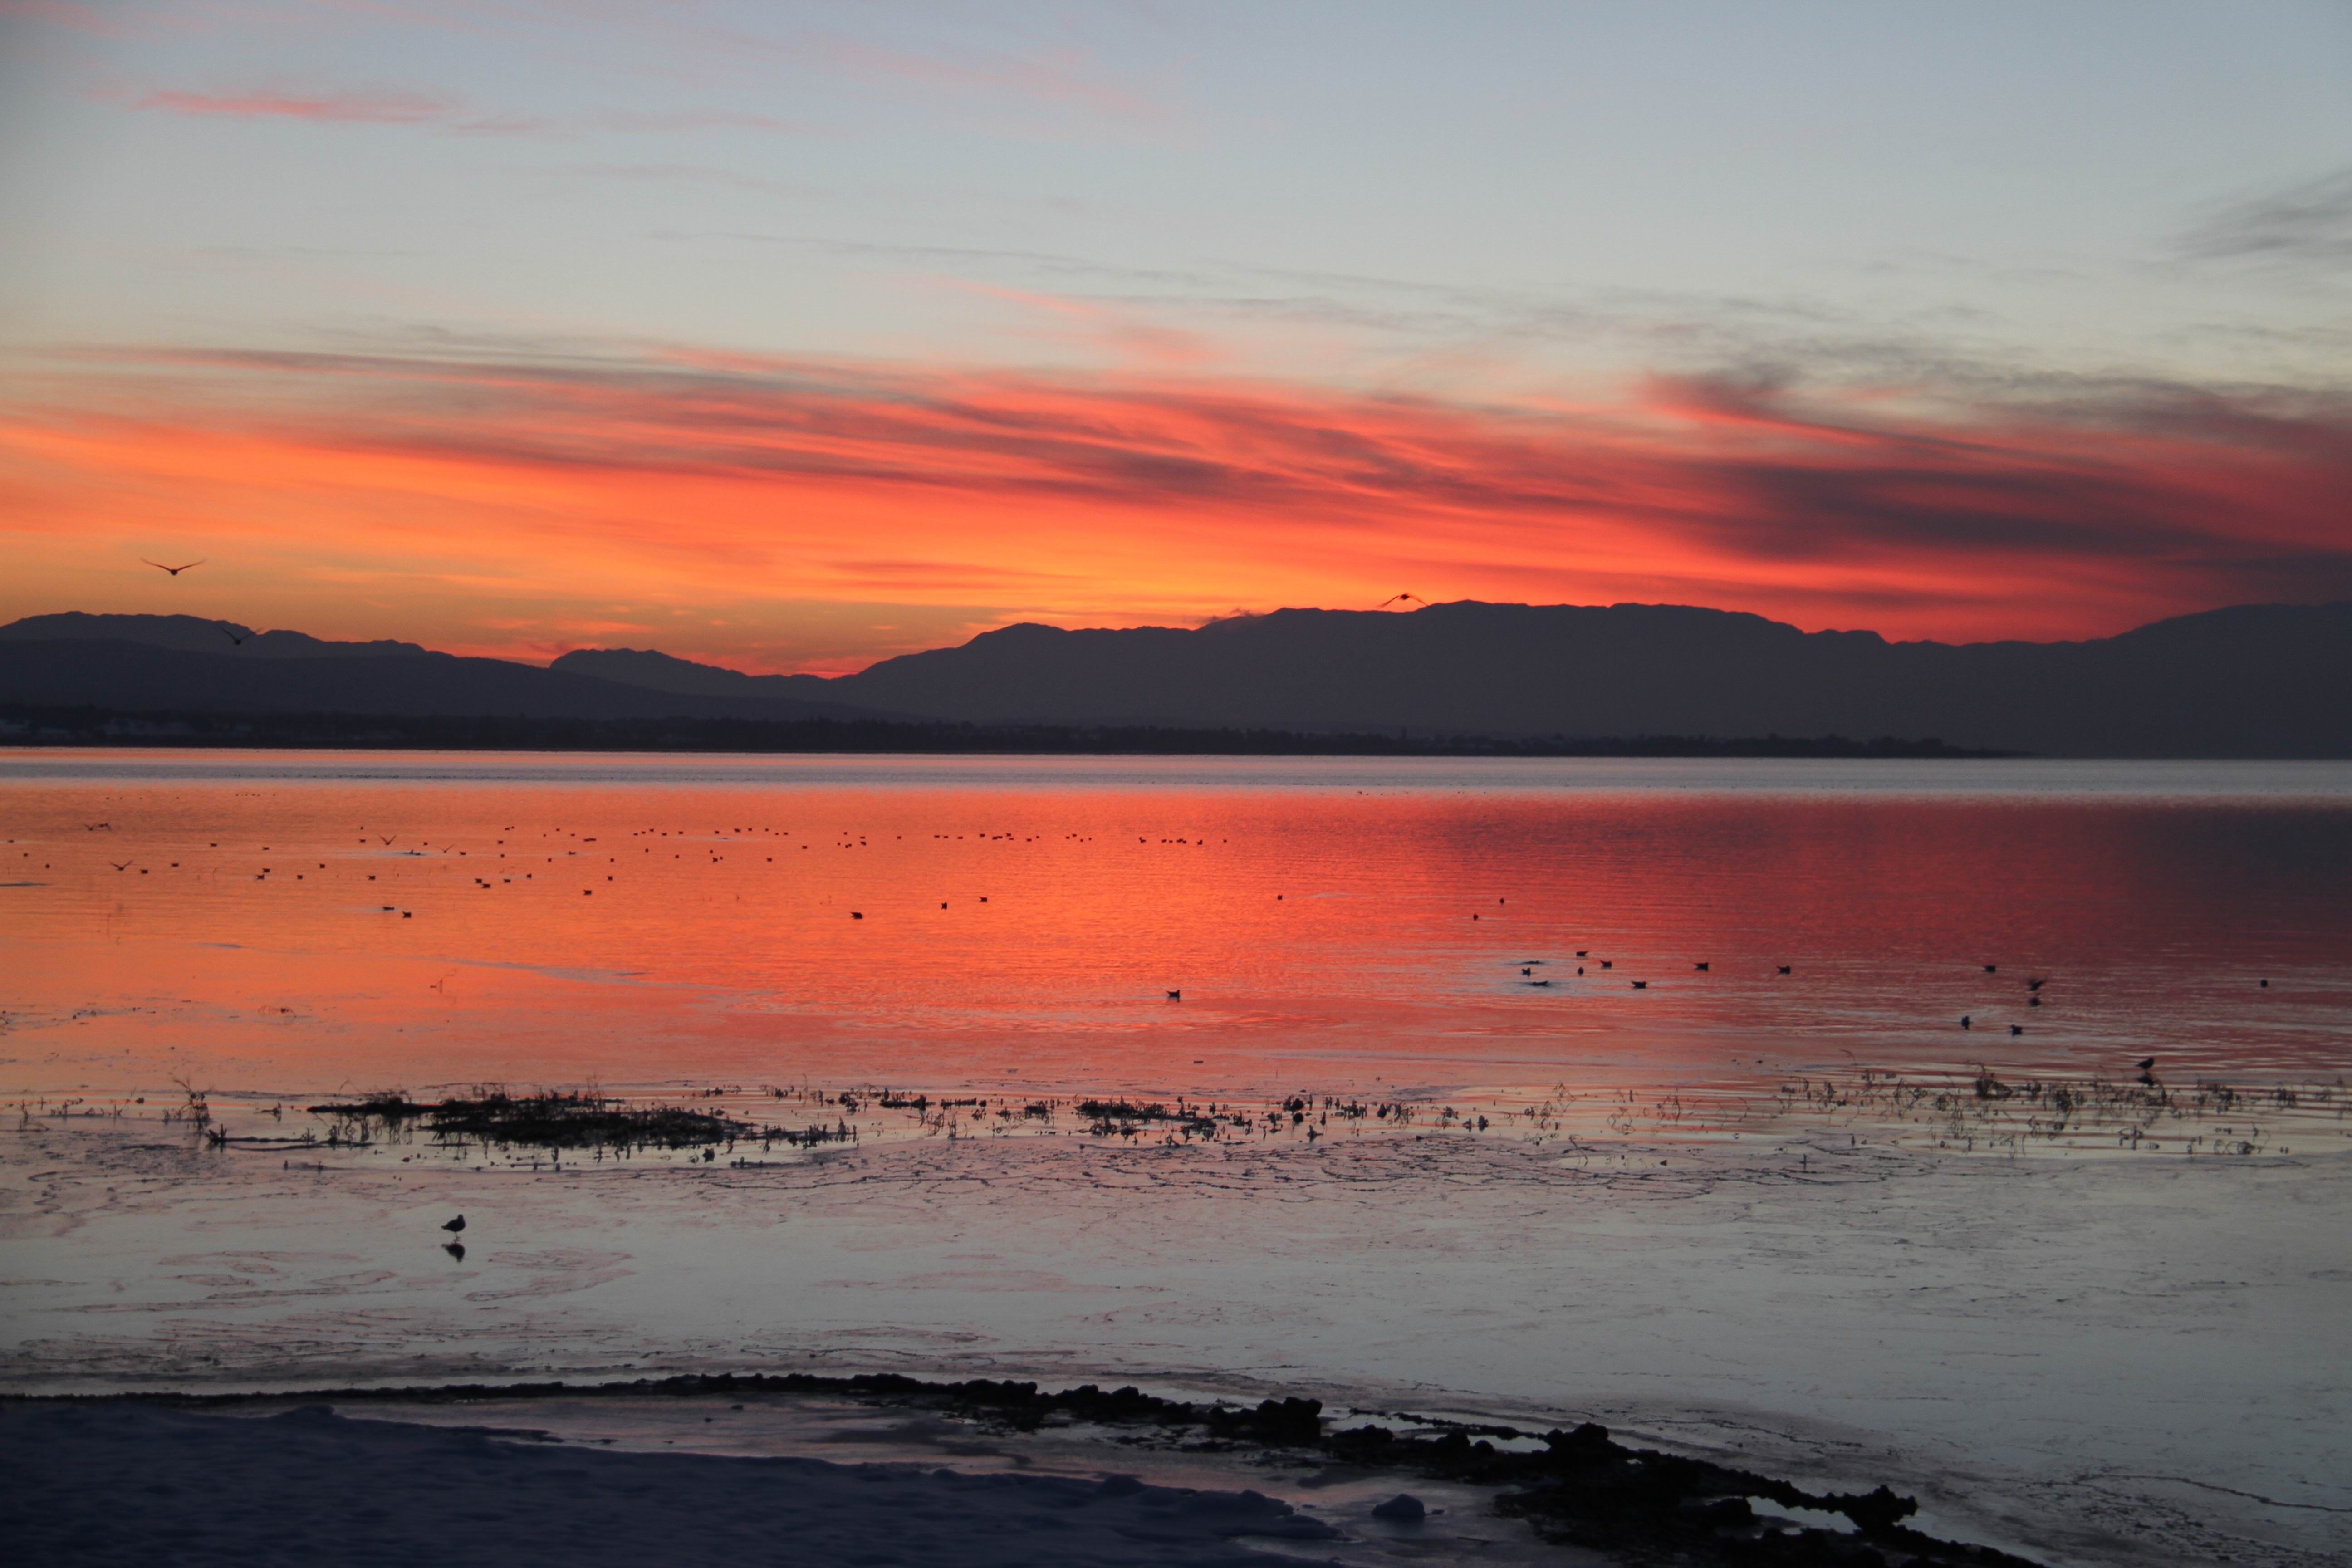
(193, 634)
(2255, 680)
(2271, 680)
(139, 664)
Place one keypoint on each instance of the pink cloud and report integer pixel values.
(1059, 77)
(1079, 499)
(345, 107)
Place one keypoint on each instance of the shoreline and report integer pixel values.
(1577, 1488)
(24, 725)
(1712, 1307)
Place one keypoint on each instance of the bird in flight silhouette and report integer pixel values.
(174, 571)
(239, 641)
(1402, 598)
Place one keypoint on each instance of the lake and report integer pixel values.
(1437, 1149)
(296, 923)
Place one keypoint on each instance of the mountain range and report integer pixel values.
(2271, 680)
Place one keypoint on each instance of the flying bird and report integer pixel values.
(174, 571)
(120, 865)
(1399, 598)
(239, 641)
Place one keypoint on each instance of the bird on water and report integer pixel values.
(453, 1226)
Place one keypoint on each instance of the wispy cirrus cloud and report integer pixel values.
(1064, 76)
(363, 107)
(338, 108)
(2310, 222)
(2068, 508)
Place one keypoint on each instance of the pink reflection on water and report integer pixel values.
(1347, 930)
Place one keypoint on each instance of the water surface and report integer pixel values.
(291, 922)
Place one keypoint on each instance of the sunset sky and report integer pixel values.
(793, 336)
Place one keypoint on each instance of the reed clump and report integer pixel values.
(545, 1120)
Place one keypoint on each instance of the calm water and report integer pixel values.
(306, 921)
(2053, 1312)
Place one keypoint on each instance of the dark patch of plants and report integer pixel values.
(1120, 1116)
(548, 1120)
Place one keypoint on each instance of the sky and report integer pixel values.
(793, 336)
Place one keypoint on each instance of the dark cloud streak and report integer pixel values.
(2200, 494)
(2309, 224)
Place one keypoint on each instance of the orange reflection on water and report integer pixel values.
(1334, 927)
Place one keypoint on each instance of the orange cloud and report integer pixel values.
(717, 499)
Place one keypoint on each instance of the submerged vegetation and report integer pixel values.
(1976, 1111)
(550, 1120)
(1989, 1113)
(547, 1120)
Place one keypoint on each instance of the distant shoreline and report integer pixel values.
(26, 726)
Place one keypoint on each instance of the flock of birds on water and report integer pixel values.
(713, 851)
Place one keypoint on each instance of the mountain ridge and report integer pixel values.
(2241, 680)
